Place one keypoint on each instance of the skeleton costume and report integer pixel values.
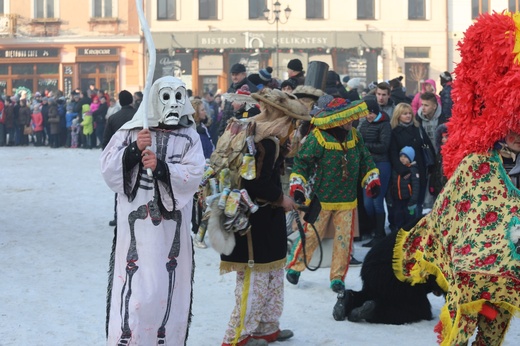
(152, 271)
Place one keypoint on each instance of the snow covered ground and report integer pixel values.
(54, 248)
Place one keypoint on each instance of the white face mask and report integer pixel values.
(168, 104)
(172, 99)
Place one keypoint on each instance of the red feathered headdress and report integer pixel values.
(486, 91)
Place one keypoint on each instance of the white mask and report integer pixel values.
(168, 104)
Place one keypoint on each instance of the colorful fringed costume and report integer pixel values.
(470, 240)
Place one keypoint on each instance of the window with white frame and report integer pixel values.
(478, 7)
(166, 9)
(103, 9)
(513, 5)
(314, 9)
(44, 9)
(416, 9)
(366, 9)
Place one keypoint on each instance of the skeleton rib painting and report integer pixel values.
(152, 269)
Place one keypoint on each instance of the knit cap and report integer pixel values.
(408, 152)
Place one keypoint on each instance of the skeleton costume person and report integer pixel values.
(470, 241)
(152, 270)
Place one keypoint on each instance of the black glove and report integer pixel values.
(299, 197)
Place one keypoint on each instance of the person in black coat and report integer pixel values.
(376, 133)
(239, 78)
(99, 118)
(445, 94)
(115, 121)
(407, 131)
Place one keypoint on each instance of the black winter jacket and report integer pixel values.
(409, 136)
(406, 187)
(268, 229)
(446, 101)
(377, 137)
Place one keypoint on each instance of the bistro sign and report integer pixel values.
(97, 51)
(28, 53)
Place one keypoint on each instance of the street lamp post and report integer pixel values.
(273, 17)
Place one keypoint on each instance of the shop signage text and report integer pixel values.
(28, 53)
(97, 51)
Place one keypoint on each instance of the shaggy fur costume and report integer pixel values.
(396, 302)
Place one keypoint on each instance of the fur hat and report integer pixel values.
(338, 113)
(408, 152)
(295, 65)
(287, 103)
(125, 98)
(307, 91)
(237, 68)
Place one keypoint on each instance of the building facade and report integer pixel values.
(49, 45)
(58, 44)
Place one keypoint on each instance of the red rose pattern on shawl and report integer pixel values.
(466, 238)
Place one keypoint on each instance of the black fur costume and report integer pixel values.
(384, 298)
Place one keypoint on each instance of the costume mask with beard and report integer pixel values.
(168, 105)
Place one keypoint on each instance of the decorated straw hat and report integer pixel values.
(338, 113)
(284, 102)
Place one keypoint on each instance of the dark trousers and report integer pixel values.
(401, 214)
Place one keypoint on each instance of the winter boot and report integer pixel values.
(380, 232)
(364, 312)
(337, 286)
(338, 312)
(293, 276)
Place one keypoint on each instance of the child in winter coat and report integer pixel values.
(69, 117)
(405, 189)
(88, 126)
(74, 132)
(37, 125)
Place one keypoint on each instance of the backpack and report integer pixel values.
(227, 204)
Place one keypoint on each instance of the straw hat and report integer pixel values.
(284, 102)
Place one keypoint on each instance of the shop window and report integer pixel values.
(415, 75)
(47, 68)
(416, 9)
(4, 69)
(478, 7)
(102, 9)
(366, 9)
(314, 9)
(416, 52)
(208, 9)
(513, 5)
(44, 9)
(256, 9)
(166, 9)
(102, 75)
(23, 69)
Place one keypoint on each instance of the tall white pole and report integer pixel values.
(151, 65)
